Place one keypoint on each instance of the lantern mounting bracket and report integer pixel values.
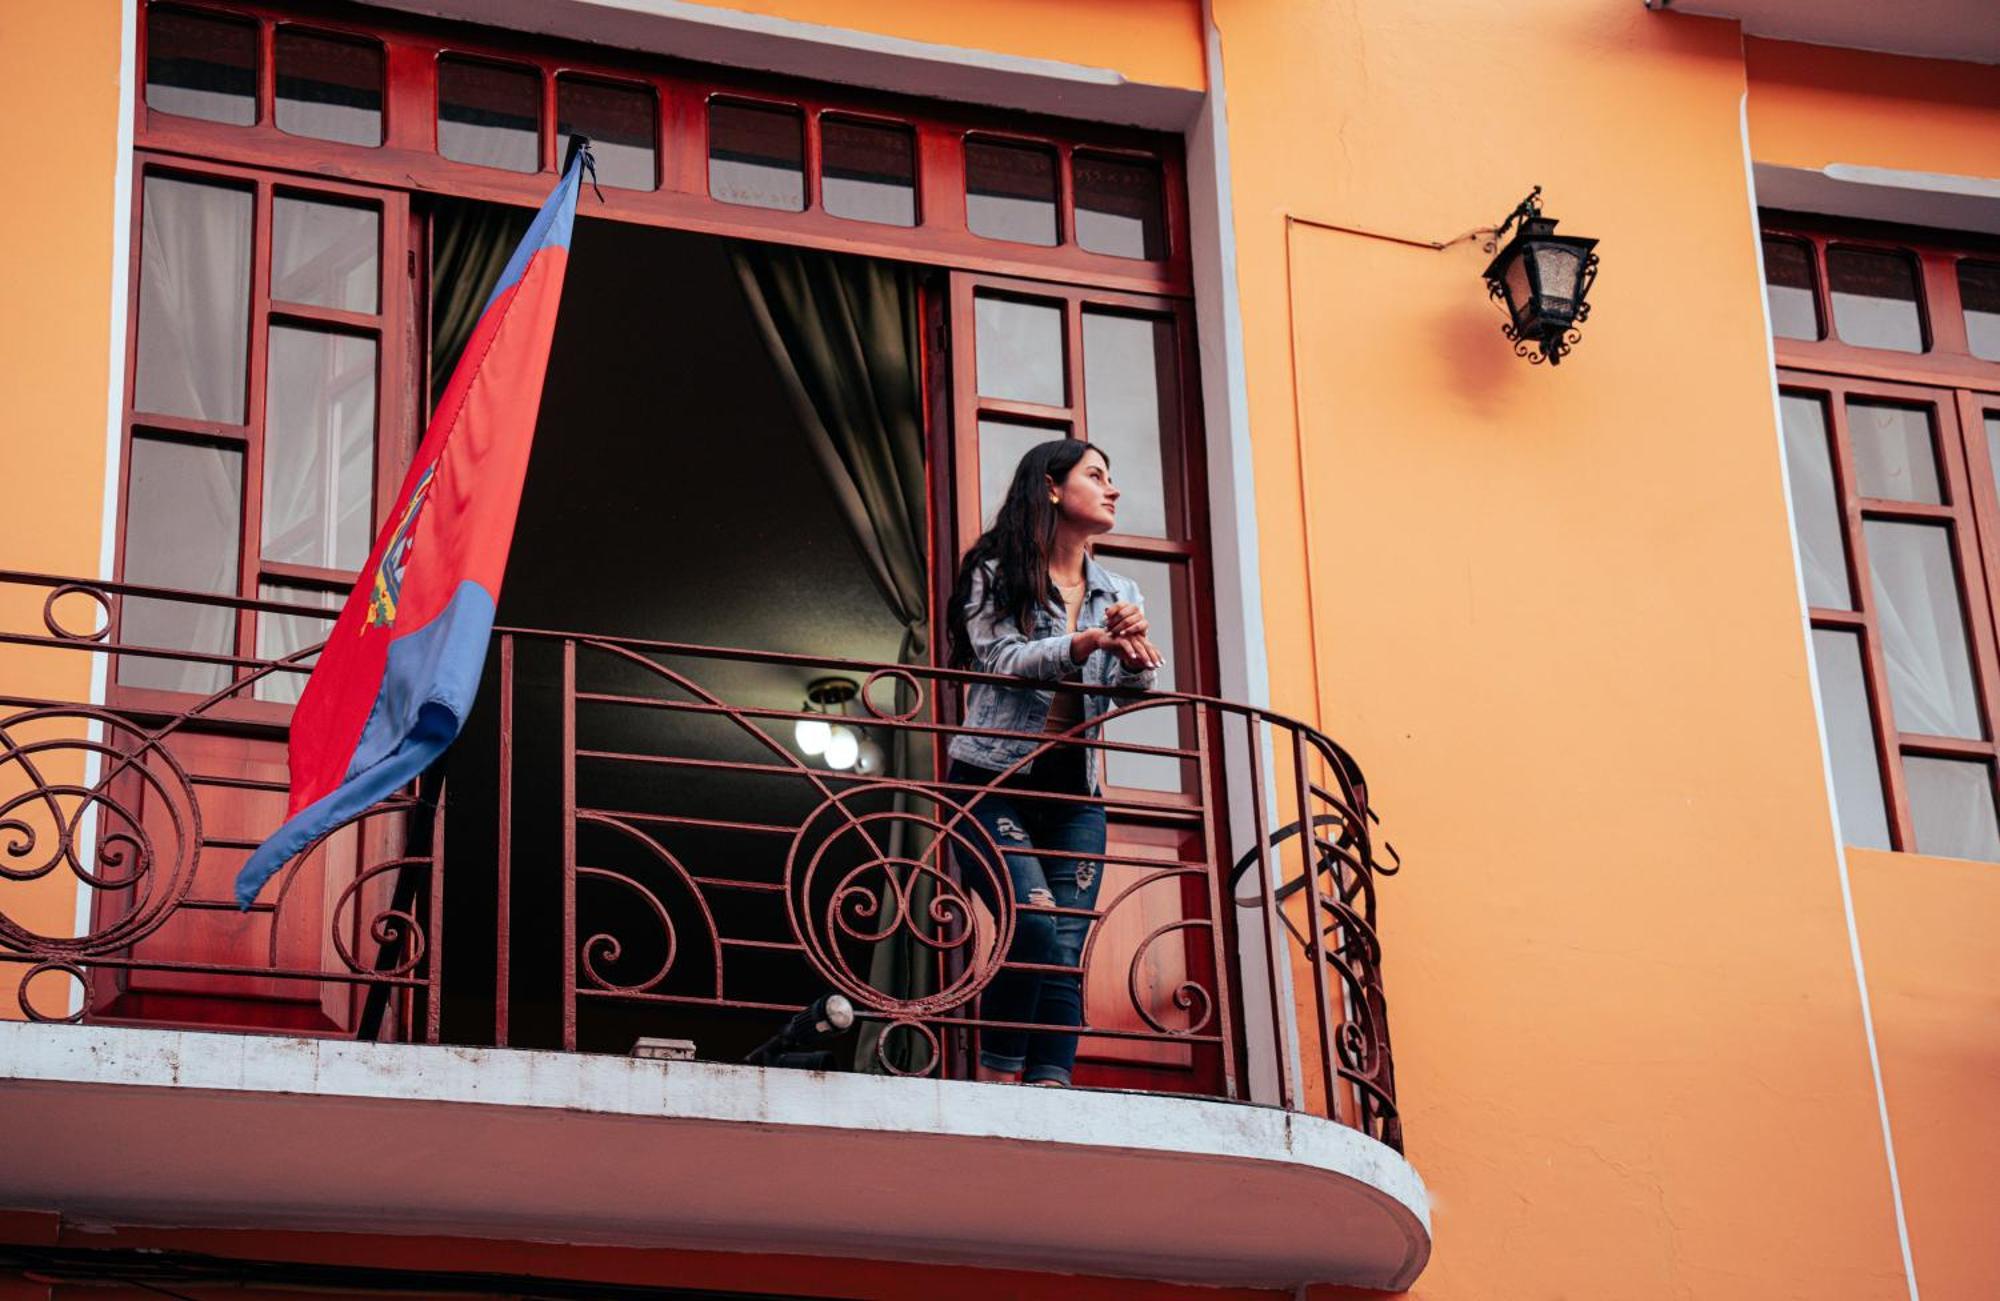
(1540, 280)
(1525, 209)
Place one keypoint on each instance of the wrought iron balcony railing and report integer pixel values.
(639, 849)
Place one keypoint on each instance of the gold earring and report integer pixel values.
(1055, 501)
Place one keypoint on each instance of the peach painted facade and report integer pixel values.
(1658, 1034)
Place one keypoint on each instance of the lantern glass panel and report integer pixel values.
(1557, 267)
(1520, 297)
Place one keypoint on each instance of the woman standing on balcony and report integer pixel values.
(1032, 603)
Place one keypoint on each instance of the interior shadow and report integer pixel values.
(670, 497)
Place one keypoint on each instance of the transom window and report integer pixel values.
(1889, 397)
(489, 115)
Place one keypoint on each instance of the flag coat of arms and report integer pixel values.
(397, 677)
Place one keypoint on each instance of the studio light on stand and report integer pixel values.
(801, 1045)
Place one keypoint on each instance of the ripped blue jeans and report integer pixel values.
(1021, 824)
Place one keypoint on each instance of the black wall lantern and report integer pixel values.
(1542, 280)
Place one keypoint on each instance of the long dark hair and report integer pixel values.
(1018, 544)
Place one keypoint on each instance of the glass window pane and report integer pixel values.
(1993, 447)
(1850, 738)
(490, 114)
(1923, 628)
(1019, 350)
(1010, 192)
(1815, 504)
(1159, 726)
(329, 88)
(319, 449)
(1118, 208)
(278, 635)
(325, 254)
(1131, 397)
(1875, 298)
(1979, 297)
(1893, 452)
(619, 123)
(1789, 288)
(1002, 444)
(183, 526)
(201, 66)
(757, 155)
(868, 171)
(1951, 804)
(194, 300)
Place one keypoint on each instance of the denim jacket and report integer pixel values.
(999, 646)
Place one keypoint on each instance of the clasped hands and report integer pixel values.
(1123, 634)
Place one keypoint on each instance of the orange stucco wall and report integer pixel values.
(1927, 927)
(58, 128)
(1158, 42)
(1555, 614)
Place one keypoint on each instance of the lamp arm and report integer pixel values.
(1526, 208)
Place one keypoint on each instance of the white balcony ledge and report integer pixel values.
(179, 1128)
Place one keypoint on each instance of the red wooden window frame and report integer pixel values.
(390, 326)
(1144, 823)
(1963, 392)
(406, 164)
(408, 157)
(1185, 546)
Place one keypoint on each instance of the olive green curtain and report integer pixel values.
(844, 334)
(470, 245)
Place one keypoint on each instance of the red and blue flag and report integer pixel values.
(393, 685)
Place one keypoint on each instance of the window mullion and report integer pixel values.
(267, 74)
(1073, 364)
(1975, 575)
(1875, 664)
(1982, 499)
(1957, 433)
(258, 377)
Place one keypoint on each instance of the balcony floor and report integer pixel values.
(173, 1127)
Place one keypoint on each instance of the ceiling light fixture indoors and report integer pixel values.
(839, 744)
